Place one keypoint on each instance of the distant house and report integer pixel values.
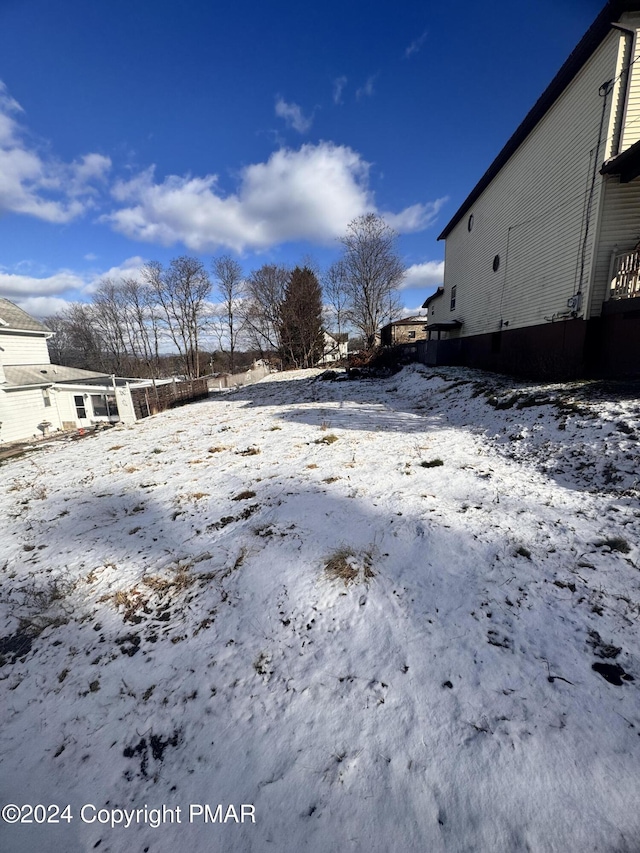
(405, 331)
(542, 263)
(37, 397)
(335, 347)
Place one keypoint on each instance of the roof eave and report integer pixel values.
(434, 295)
(626, 165)
(576, 60)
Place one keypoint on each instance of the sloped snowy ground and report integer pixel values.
(172, 634)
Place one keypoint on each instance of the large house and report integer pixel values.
(542, 259)
(38, 398)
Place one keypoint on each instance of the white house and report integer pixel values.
(335, 347)
(37, 397)
(542, 261)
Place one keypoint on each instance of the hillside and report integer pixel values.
(394, 614)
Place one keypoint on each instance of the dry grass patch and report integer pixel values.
(218, 449)
(244, 496)
(326, 439)
(348, 566)
(614, 543)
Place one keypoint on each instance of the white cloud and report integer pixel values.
(338, 88)
(37, 185)
(416, 45)
(417, 217)
(130, 268)
(306, 194)
(49, 289)
(293, 116)
(428, 274)
(367, 90)
(12, 285)
(42, 306)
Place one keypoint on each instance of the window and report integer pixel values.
(496, 263)
(411, 336)
(104, 405)
(81, 411)
(470, 223)
(452, 304)
(46, 397)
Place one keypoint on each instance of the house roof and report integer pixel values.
(407, 321)
(14, 318)
(21, 375)
(627, 164)
(433, 296)
(445, 326)
(341, 338)
(585, 48)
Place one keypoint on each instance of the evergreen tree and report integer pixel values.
(301, 319)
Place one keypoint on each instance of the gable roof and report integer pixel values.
(433, 296)
(583, 51)
(22, 375)
(341, 338)
(407, 321)
(14, 318)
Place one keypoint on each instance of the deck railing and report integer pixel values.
(625, 276)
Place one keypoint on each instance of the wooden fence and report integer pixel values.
(150, 400)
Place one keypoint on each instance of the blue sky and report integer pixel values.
(133, 130)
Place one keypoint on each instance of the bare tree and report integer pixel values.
(265, 292)
(77, 342)
(142, 324)
(108, 316)
(336, 294)
(230, 283)
(372, 271)
(181, 291)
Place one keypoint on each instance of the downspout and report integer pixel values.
(576, 300)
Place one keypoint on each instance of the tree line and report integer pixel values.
(274, 312)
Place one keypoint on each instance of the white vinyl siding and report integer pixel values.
(631, 130)
(22, 411)
(532, 215)
(19, 348)
(619, 233)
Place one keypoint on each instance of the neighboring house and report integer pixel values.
(542, 263)
(335, 347)
(405, 331)
(37, 397)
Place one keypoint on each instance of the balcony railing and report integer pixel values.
(625, 276)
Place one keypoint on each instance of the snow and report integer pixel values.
(172, 639)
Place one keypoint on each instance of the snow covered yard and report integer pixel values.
(372, 610)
